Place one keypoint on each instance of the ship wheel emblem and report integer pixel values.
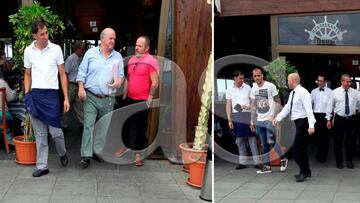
(326, 31)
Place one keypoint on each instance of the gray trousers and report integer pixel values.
(240, 142)
(76, 104)
(42, 147)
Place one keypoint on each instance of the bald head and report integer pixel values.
(107, 38)
(293, 80)
(106, 32)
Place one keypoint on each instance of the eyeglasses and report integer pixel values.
(134, 66)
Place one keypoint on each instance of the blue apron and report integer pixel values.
(44, 104)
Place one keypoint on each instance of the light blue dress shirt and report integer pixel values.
(96, 71)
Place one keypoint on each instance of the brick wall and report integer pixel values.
(261, 7)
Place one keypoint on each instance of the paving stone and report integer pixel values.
(319, 196)
(117, 189)
(32, 187)
(119, 199)
(247, 194)
(72, 199)
(160, 191)
(73, 187)
(282, 195)
(346, 197)
(153, 177)
(21, 198)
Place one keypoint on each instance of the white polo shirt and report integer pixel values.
(44, 65)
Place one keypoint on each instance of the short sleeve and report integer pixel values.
(274, 91)
(27, 63)
(228, 94)
(59, 56)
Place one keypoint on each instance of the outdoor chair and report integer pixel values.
(5, 123)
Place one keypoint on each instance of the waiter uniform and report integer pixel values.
(343, 105)
(320, 98)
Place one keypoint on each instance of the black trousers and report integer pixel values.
(321, 135)
(299, 147)
(344, 128)
(136, 126)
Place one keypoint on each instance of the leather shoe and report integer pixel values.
(349, 164)
(84, 162)
(240, 166)
(97, 158)
(300, 178)
(64, 160)
(339, 166)
(40, 172)
(298, 175)
(320, 159)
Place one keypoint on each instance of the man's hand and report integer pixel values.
(231, 125)
(82, 94)
(252, 127)
(329, 125)
(274, 122)
(311, 131)
(150, 98)
(66, 105)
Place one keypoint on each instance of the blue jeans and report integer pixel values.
(266, 131)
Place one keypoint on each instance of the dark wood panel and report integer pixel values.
(192, 45)
(261, 7)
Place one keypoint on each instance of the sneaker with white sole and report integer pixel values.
(283, 164)
(265, 169)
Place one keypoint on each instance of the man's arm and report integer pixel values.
(228, 113)
(154, 78)
(27, 80)
(65, 87)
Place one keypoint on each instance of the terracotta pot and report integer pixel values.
(25, 151)
(197, 170)
(187, 151)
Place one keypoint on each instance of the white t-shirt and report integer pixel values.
(44, 65)
(264, 98)
(239, 96)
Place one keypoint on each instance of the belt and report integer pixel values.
(344, 117)
(97, 95)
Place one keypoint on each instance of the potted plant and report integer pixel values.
(25, 146)
(277, 72)
(194, 154)
(21, 22)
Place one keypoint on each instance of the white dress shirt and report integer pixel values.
(337, 102)
(301, 107)
(320, 99)
(239, 95)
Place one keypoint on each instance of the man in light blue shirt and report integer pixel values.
(100, 73)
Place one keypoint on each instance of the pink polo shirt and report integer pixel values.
(139, 70)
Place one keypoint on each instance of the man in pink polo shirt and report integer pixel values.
(142, 84)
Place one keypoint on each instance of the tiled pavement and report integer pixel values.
(327, 184)
(156, 181)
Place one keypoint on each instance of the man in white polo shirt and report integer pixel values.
(43, 61)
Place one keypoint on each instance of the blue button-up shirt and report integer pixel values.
(96, 71)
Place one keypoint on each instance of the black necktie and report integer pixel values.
(291, 103)
(321, 89)
(347, 108)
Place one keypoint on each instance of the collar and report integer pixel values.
(296, 89)
(32, 45)
(98, 48)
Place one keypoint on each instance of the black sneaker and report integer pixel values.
(85, 162)
(265, 169)
(64, 160)
(240, 166)
(40, 172)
